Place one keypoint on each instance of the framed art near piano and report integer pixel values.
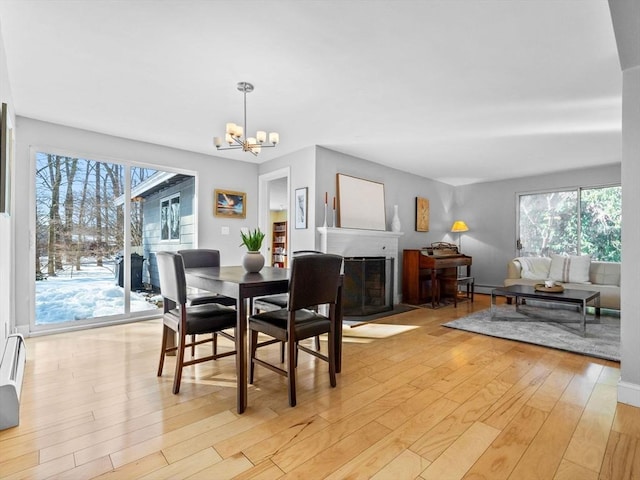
(422, 214)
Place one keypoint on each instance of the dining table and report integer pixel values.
(236, 282)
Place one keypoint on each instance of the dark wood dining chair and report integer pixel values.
(186, 320)
(276, 302)
(314, 281)
(204, 257)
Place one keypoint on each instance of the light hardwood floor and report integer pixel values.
(415, 400)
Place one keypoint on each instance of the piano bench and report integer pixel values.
(454, 283)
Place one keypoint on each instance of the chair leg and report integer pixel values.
(291, 372)
(215, 344)
(282, 344)
(332, 359)
(473, 286)
(179, 362)
(253, 347)
(318, 343)
(163, 349)
(193, 345)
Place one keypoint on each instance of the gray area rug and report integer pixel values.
(558, 330)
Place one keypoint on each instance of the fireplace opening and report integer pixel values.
(368, 285)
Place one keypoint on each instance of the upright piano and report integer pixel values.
(428, 263)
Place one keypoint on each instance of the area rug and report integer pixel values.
(602, 339)
(357, 320)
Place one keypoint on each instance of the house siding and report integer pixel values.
(151, 234)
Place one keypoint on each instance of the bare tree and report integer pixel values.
(98, 212)
(82, 208)
(55, 178)
(70, 169)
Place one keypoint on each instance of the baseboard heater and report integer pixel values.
(11, 374)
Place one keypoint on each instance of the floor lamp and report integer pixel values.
(458, 227)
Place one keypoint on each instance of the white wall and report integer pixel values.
(7, 264)
(212, 172)
(490, 212)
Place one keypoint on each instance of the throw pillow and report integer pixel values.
(570, 268)
(534, 268)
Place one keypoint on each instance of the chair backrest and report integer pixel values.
(173, 284)
(314, 280)
(299, 253)
(200, 257)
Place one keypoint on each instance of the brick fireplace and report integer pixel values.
(354, 243)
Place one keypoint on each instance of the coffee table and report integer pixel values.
(579, 298)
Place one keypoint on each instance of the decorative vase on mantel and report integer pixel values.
(253, 262)
(395, 223)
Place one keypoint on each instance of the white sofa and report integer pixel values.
(604, 277)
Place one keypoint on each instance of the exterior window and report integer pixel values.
(170, 218)
(582, 221)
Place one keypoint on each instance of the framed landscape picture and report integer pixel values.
(301, 207)
(229, 204)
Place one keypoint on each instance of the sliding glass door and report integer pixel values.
(90, 260)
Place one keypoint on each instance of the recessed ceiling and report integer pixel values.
(459, 91)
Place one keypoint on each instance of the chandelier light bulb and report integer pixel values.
(234, 133)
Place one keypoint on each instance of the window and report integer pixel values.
(170, 218)
(580, 221)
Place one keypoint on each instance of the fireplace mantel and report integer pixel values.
(354, 242)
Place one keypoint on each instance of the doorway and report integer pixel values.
(273, 205)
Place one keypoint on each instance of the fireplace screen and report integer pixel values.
(368, 285)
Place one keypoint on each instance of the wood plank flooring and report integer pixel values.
(415, 400)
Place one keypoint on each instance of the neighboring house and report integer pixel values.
(166, 220)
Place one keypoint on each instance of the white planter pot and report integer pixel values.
(253, 262)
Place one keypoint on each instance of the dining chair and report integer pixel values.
(186, 319)
(204, 257)
(275, 302)
(314, 281)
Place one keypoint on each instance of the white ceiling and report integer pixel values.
(461, 91)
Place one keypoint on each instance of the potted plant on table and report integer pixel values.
(253, 260)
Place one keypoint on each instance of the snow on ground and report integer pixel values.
(75, 295)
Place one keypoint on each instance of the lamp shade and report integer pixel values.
(459, 226)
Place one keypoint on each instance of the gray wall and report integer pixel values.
(7, 319)
(301, 166)
(400, 188)
(490, 212)
(626, 24)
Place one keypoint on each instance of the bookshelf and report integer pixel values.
(279, 244)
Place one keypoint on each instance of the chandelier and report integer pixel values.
(234, 133)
